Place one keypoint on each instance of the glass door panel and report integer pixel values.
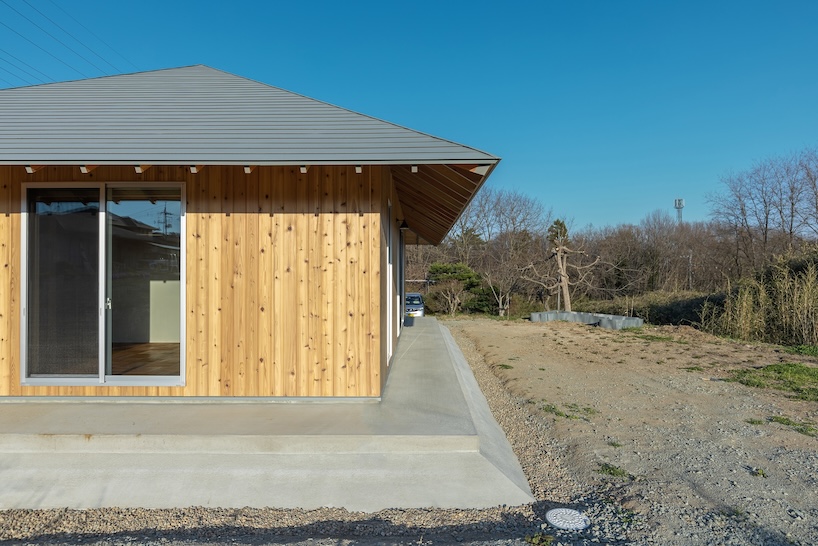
(63, 282)
(143, 293)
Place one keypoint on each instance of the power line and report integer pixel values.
(21, 61)
(56, 24)
(38, 46)
(7, 82)
(68, 47)
(91, 32)
(20, 68)
(15, 75)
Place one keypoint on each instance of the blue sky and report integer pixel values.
(604, 111)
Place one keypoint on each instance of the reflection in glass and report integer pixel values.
(144, 281)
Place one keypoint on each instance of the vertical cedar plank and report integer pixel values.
(228, 287)
(373, 356)
(362, 315)
(265, 283)
(313, 266)
(353, 266)
(326, 293)
(289, 311)
(215, 276)
(302, 278)
(6, 282)
(280, 369)
(382, 271)
(199, 357)
(238, 300)
(339, 310)
(190, 285)
(250, 309)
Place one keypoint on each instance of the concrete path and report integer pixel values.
(429, 442)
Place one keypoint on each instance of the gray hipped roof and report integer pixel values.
(201, 116)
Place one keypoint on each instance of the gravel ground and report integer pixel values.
(703, 462)
(549, 461)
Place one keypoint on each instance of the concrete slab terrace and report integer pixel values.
(431, 441)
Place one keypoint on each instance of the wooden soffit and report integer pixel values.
(433, 197)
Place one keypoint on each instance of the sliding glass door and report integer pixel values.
(104, 293)
(144, 283)
(63, 282)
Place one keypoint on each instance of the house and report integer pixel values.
(192, 233)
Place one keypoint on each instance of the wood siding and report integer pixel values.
(283, 282)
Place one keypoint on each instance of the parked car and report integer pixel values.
(414, 305)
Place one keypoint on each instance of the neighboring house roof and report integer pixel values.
(201, 116)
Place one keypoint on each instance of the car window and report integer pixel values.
(414, 300)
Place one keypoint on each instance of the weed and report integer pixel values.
(586, 410)
(804, 428)
(735, 512)
(505, 366)
(808, 350)
(614, 444)
(540, 539)
(654, 337)
(758, 472)
(613, 470)
(620, 361)
(755, 421)
(551, 408)
(799, 379)
(694, 369)
(542, 369)
(628, 516)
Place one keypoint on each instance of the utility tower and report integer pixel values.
(679, 204)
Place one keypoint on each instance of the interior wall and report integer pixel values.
(283, 282)
(390, 231)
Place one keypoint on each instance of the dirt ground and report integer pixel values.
(649, 415)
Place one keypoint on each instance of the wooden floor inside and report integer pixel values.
(145, 359)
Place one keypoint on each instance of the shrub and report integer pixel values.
(779, 306)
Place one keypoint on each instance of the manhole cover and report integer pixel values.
(567, 519)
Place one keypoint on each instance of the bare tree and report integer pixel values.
(508, 222)
(419, 258)
(566, 274)
(788, 191)
(808, 172)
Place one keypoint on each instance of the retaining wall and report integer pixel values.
(612, 322)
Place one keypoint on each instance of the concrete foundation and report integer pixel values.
(431, 441)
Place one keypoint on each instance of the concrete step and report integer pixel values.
(431, 441)
(234, 444)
